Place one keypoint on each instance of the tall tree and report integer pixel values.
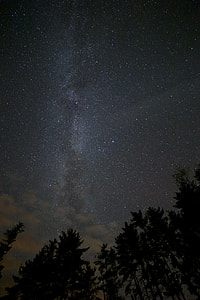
(146, 257)
(5, 244)
(128, 256)
(57, 271)
(108, 279)
(188, 202)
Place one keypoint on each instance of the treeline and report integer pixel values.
(156, 256)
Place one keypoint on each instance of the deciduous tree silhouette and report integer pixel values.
(108, 279)
(146, 257)
(188, 202)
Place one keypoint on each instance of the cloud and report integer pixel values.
(97, 231)
(83, 219)
(10, 212)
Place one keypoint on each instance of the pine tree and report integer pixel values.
(10, 237)
(57, 271)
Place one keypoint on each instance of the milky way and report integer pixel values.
(99, 104)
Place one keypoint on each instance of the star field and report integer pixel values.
(99, 104)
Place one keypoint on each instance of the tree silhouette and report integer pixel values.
(188, 202)
(108, 279)
(5, 244)
(146, 255)
(127, 246)
(57, 271)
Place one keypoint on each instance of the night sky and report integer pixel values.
(99, 106)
